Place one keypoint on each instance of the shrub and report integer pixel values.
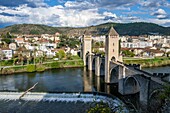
(55, 65)
(100, 108)
(7, 71)
(40, 68)
(74, 57)
(60, 54)
(31, 68)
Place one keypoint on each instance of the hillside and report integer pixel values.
(139, 28)
(29, 29)
(132, 29)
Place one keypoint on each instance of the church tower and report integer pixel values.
(111, 51)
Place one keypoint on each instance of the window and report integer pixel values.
(113, 50)
(113, 44)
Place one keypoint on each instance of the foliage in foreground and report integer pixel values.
(100, 108)
(165, 94)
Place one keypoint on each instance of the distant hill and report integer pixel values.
(139, 28)
(29, 29)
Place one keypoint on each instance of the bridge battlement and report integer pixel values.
(161, 74)
(134, 65)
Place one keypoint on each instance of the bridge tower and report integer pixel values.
(86, 47)
(111, 51)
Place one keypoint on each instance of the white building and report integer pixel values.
(139, 44)
(6, 53)
(73, 52)
(99, 38)
(154, 37)
(123, 38)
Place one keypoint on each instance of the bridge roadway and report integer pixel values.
(147, 74)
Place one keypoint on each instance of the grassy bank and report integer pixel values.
(41, 67)
(161, 61)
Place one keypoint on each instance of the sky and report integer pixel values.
(81, 13)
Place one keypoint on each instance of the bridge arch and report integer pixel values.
(102, 68)
(155, 102)
(113, 58)
(155, 92)
(131, 85)
(114, 74)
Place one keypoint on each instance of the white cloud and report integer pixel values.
(55, 16)
(110, 14)
(74, 14)
(160, 14)
(164, 22)
(105, 4)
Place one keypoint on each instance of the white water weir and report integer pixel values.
(62, 97)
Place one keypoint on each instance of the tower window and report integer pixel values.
(113, 50)
(113, 44)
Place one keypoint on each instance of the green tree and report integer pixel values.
(15, 60)
(128, 53)
(63, 41)
(8, 35)
(97, 44)
(165, 94)
(31, 68)
(6, 40)
(100, 108)
(61, 54)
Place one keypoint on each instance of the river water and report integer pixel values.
(58, 80)
(165, 69)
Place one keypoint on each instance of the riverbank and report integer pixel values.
(41, 67)
(156, 62)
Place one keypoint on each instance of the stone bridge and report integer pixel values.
(130, 78)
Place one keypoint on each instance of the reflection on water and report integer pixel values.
(68, 80)
(57, 80)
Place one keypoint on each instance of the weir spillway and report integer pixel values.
(40, 99)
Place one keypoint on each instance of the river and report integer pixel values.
(61, 80)
(164, 69)
(56, 81)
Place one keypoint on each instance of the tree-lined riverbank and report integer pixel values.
(40, 67)
(162, 61)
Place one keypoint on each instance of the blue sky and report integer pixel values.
(80, 13)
